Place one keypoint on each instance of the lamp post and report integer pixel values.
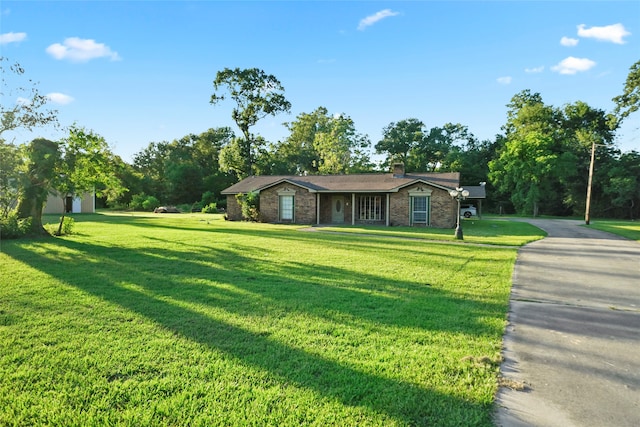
(459, 194)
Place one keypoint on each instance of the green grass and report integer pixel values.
(190, 320)
(486, 231)
(628, 229)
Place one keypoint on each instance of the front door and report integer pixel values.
(337, 209)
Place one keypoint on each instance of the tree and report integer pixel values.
(533, 162)
(10, 164)
(25, 106)
(399, 139)
(71, 167)
(439, 148)
(629, 101)
(298, 154)
(256, 95)
(340, 148)
(181, 171)
(623, 185)
(41, 159)
(86, 165)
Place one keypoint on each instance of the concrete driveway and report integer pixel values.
(573, 338)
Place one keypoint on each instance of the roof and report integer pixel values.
(354, 183)
(476, 191)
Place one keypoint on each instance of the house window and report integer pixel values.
(420, 209)
(370, 208)
(286, 208)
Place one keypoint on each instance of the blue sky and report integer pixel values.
(137, 72)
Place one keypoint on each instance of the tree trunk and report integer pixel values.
(31, 205)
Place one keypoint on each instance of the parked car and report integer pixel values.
(468, 211)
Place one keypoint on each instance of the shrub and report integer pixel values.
(11, 227)
(249, 205)
(150, 203)
(222, 203)
(210, 208)
(207, 197)
(136, 201)
(67, 227)
(185, 207)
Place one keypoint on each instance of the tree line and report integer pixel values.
(538, 163)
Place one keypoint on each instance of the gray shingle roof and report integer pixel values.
(356, 183)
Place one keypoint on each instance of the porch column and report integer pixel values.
(317, 208)
(386, 208)
(353, 208)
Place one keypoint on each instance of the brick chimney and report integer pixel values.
(398, 170)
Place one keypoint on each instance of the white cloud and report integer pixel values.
(534, 69)
(569, 42)
(81, 50)
(60, 98)
(504, 80)
(573, 65)
(7, 38)
(378, 16)
(23, 101)
(610, 33)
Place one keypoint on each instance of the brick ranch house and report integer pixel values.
(391, 199)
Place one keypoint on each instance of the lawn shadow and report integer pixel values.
(157, 282)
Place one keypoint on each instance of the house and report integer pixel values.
(391, 199)
(56, 204)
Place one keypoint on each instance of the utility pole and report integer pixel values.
(587, 212)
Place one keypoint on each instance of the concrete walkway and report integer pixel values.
(573, 338)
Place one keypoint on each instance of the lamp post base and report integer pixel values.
(459, 233)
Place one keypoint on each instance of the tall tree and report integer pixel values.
(41, 160)
(440, 146)
(399, 139)
(86, 165)
(533, 162)
(256, 95)
(10, 165)
(341, 149)
(581, 128)
(21, 104)
(77, 164)
(623, 185)
(297, 154)
(629, 101)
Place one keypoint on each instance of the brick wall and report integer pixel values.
(234, 212)
(442, 208)
(304, 204)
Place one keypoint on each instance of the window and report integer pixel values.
(420, 210)
(286, 208)
(370, 208)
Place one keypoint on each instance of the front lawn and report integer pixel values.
(486, 231)
(628, 229)
(191, 320)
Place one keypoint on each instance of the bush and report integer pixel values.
(67, 227)
(249, 205)
(210, 208)
(12, 228)
(136, 201)
(150, 203)
(207, 197)
(185, 207)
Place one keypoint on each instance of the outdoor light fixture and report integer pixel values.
(459, 194)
